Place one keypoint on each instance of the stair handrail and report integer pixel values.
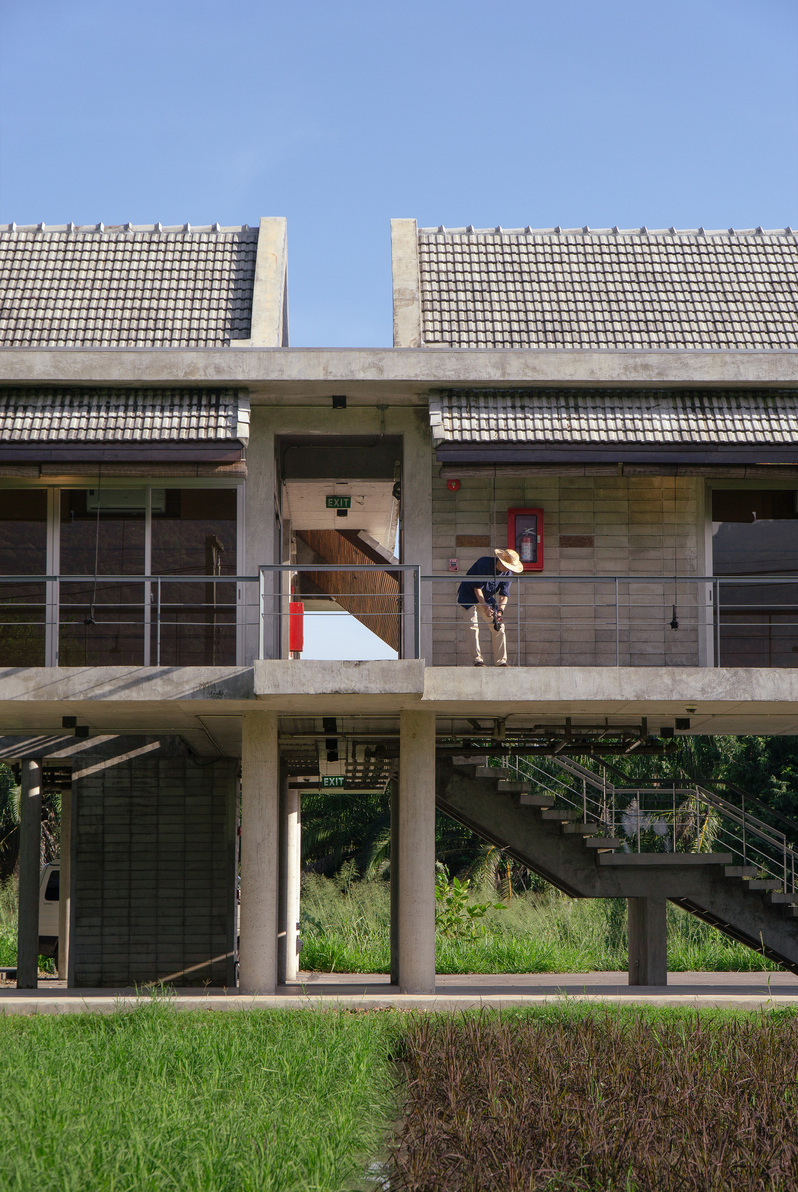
(754, 832)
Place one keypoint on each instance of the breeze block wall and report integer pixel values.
(153, 888)
(594, 526)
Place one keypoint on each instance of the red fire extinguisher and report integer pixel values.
(527, 545)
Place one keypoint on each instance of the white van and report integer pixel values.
(49, 891)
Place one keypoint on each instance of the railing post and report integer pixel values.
(417, 609)
(674, 817)
(261, 612)
(158, 626)
(745, 842)
(617, 626)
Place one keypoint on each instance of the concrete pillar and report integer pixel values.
(416, 852)
(394, 880)
(65, 885)
(260, 810)
(290, 861)
(30, 844)
(648, 941)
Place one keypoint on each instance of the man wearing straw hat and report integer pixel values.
(487, 598)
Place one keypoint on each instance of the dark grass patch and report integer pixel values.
(582, 1098)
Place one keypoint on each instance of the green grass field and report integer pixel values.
(159, 1099)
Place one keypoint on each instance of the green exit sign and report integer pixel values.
(339, 502)
(327, 780)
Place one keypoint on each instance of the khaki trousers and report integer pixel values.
(498, 637)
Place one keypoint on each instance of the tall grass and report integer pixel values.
(160, 1099)
(346, 928)
(8, 923)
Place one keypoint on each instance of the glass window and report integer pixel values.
(23, 551)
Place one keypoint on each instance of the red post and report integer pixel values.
(296, 626)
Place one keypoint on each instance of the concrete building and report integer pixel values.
(175, 481)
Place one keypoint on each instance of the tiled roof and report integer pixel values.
(600, 416)
(122, 415)
(586, 288)
(125, 286)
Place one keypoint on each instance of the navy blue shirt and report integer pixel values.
(491, 588)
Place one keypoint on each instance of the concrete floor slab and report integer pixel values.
(369, 991)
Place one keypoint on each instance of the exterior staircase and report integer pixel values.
(594, 840)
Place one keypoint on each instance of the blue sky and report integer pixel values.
(341, 116)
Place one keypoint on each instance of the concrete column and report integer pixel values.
(30, 844)
(290, 858)
(416, 852)
(65, 885)
(260, 810)
(648, 941)
(394, 880)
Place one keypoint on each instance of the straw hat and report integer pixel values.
(509, 559)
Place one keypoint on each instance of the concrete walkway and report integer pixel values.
(744, 991)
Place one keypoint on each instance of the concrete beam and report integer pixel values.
(406, 284)
(404, 374)
(648, 941)
(416, 943)
(30, 844)
(260, 810)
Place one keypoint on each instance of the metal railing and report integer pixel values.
(663, 819)
(551, 620)
(143, 620)
(639, 620)
(395, 608)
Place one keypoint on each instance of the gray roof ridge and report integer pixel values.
(126, 228)
(641, 232)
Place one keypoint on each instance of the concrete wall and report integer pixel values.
(627, 526)
(153, 868)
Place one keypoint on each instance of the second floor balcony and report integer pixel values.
(366, 612)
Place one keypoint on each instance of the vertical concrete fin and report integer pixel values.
(406, 284)
(270, 291)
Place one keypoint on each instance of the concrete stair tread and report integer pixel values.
(762, 885)
(582, 828)
(507, 786)
(491, 772)
(779, 899)
(671, 860)
(553, 814)
(741, 871)
(524, 800)
(605, 842)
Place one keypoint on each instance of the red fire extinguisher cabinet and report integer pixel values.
(525, 535)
